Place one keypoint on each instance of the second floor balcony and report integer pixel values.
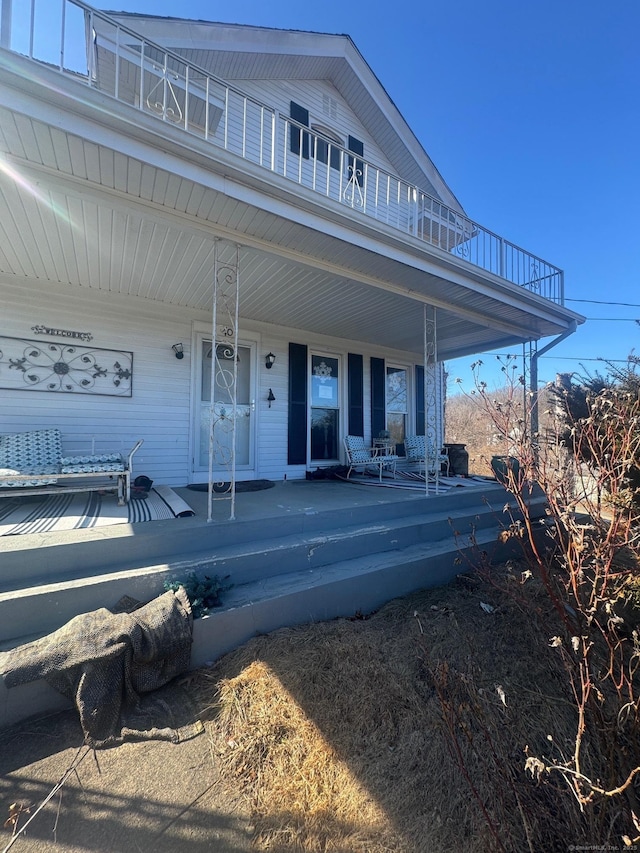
(107, 56)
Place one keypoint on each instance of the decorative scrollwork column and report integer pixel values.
(224, 377)
(431, 425)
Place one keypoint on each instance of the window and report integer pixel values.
(298, 139)
(397, 400)
(328, 146)
(324, 144)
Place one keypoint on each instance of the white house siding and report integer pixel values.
(311, 94)
(249, 131)
(272, 423)
(159, 410)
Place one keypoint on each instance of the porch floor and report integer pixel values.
(307, 497)
(284, 500)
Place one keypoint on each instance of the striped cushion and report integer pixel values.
(91, 460)
(92, 468)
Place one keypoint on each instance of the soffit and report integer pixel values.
(95, 218)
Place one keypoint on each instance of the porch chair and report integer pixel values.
(419, 448)
(360, 456)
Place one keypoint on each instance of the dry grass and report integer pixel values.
(402, 732)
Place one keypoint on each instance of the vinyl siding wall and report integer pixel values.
(312, 95)
(160, 409)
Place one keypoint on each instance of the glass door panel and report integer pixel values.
(397, 399)
(223, 407)
(325, 408)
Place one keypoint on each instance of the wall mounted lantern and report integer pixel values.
(269, 360)
(178, 350)
(270, 397)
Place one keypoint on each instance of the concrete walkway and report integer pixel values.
(149, 797)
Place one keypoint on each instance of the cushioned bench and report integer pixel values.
(33, 463)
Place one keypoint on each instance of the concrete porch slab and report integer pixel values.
(304, 551)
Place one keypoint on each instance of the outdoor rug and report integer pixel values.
(412, 480)
(68, 511)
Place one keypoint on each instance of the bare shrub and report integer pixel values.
(467, 423)
(585, 557)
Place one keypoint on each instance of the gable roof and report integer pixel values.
(240, 51)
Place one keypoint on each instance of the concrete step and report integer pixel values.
(265, 552)
(345, 588)
(38, 559)
(46, 605)
(285, 570)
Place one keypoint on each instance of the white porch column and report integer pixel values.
(430, 389)
(224, 374)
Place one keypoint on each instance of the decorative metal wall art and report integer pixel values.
(64, 368)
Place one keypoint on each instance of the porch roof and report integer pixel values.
(134, 207)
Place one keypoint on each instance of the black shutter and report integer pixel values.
(297, 426)
(420, 413)
(356, 394)
(355, 165)
(301, 115)
(378, 397)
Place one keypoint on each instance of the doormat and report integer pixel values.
(241, 486)
(68, 511)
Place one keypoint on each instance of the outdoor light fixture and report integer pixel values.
(269, 360)
(178, 350)
(270, 397)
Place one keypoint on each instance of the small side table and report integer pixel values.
(384, 446)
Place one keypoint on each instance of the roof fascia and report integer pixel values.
(395, 118)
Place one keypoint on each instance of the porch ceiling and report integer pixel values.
(72, 211)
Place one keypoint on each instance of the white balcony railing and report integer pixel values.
(88, 45)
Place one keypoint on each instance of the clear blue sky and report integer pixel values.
(531, 112)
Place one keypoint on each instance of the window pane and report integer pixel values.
(324, 381)
(324, 434)
(224, 374)
(396, 389)
(322, 148)
(396, 426)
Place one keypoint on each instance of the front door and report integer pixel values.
(223, 410)
(325, 408)
(397, 402)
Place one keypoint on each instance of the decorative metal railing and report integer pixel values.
(85, 43)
